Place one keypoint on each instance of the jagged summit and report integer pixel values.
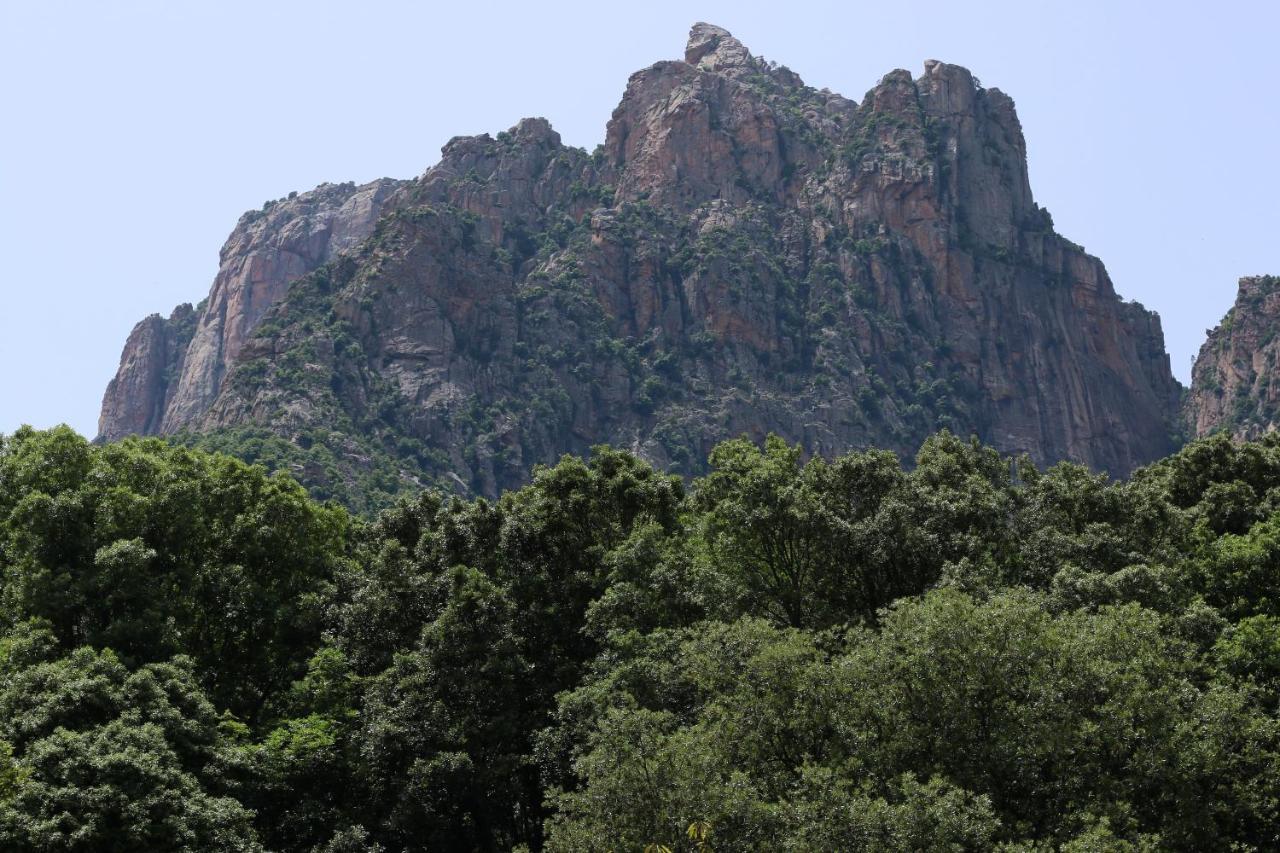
(713, 48)
(536, 131)
(744, 254)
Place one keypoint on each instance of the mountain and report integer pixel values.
(744, 254)
(172, 370)
(1234, 384)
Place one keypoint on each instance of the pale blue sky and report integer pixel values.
(135, 133)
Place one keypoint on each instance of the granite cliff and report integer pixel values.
(171, 370)
(1235, 384)
(744, 254)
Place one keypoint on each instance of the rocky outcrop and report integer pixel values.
(1235, 384)
(137, 397)
(167, 380)
(744, 254)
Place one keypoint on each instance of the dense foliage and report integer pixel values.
(786, 654)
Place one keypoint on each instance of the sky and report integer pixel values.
(134, 134)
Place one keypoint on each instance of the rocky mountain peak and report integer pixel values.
(713, 48)
(1235, 383)
(172, 370)
(1258, 287)
(951, 87)
(528, 132)
(745, 255)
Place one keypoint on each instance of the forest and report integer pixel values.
(962, 653)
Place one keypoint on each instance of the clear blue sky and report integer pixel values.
(135, 133)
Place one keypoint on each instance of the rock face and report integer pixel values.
(1235, 384)
(172, 370)
(136, 399)
(743, 254)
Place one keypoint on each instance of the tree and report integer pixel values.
(813, 544)
(154, 551)
(114, 759)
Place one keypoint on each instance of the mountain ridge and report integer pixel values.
(744, 254)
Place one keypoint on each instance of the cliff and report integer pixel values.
(172, 370)
(744, 254)
(1235, 384)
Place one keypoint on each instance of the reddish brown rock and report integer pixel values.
(1235, 383)
(135, 400)
(743, 255)
(267, 250)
